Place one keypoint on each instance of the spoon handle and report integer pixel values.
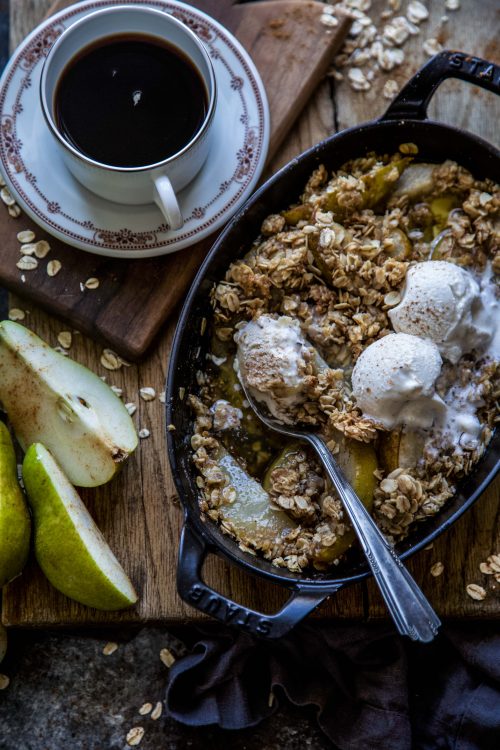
(412, 613)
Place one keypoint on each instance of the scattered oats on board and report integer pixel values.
(147, 393)
(27, 263)
(134, 736)
(167, 657)
(53, 267)
(42, 248)
(145, 709)
(110, 360)
(437, 569)
(476, 592)
(16, 314)
(109, 648)
(65, 339)
(25, 236)
(131, 408)
(92, 283)
(432, 46)
(156, 713)
(4, 681)
(144, 433)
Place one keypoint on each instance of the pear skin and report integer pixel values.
(15, 523)
(69, 547)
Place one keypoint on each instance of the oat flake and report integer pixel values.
(27, 263)
(390, 89)
(452, 4)
(6, 196)
(4, 681)
(358, 80)
(110, 360)
(417, 12)
(146, 708)
(144, 433)
(157, 711)
(135, 735)
(131, 408)
(432, 46)
(109, 648)
(92, 283)
(485, 568)
(25, 236)
(42, 248)
(14, 211)
(65, 339)
(167, 657)
(162, 397)
(27, 249)
(328, 20)
(147, 394)
(437, 569)
(16, 314)
(117, 390)
(476, 592)
(53, 267)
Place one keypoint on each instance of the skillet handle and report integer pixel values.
(192, 552)
(411, 102)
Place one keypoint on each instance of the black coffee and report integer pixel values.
(130, 101)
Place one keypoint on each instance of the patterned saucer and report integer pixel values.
(34, 171)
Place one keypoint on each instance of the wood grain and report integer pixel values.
(139, 511)
(292, 51)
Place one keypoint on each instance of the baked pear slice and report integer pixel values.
(53, 400)
(15, 523)
(69, 547)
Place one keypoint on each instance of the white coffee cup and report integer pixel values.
(158, 182)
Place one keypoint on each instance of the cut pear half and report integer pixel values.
(69, 547)
(51, 399)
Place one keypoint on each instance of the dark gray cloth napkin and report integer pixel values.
(371, 688)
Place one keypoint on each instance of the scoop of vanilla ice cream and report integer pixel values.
(273, 358)
(442, 302)
(394, 379)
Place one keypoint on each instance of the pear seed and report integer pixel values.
(6, 196)
(26, 263)
(475, 592)
(42, 248)
(65, 339)
(135, 735)
(167, 657)
(92, 283)
(131, 408)
(144, 433)
(146, 708)
(147, 394)
(157, 711)
(53, 267)
(109, 648)
(4, 681)
(14, 211)
(16, 314)
(110, 360)
(25, 236)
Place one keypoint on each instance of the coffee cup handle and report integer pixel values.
(166, 201)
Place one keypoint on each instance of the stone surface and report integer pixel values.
(65, 694)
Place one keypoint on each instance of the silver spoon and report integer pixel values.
(410, 610)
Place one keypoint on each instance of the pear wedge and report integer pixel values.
(69, 547)
(53, 400)
(15, 523)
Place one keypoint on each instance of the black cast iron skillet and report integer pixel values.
(405, 121)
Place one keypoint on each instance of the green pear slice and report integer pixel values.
(51, 399)
(69, 547)
(15, 523)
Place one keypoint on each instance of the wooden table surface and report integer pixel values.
(123, 509)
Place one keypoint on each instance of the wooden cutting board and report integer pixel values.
(139, 513)
(292, 51)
